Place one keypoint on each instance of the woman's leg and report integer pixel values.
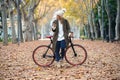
(57, 55)
(62, 53)
(63, 46)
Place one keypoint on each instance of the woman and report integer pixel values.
(61, 29)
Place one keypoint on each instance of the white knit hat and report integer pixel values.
(60, 13)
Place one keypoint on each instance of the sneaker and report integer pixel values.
(58, 64)
(62, 62)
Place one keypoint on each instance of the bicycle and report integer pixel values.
(44, 56)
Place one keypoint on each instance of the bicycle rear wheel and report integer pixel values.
(43, 56)
(76, 56)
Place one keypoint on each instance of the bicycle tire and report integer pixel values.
(76, 60)
(40, 59)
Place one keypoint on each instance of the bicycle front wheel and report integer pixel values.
(76, 55)
(43, 56)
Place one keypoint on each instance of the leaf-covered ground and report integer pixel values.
(103, 63)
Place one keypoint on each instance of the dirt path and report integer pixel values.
(103, 63)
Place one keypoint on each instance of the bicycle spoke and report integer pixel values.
(43, 56)
(49, 56)
(76, 55)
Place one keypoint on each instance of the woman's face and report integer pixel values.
(58, 17)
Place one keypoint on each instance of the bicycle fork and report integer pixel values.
(75, 54)
(44, 55)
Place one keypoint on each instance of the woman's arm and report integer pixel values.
(68, 26)
(70, 34)
(54, 26)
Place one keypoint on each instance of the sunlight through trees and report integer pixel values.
(95, 19)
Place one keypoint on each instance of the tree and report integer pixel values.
(110, 7)
(99, 18)
(106, 8)
(102, 19)
(40, 12)
(11, 9)
(117, 27)
(20, 35)
(109, 18)
(28, 17)
(90, 15)
(4, 22)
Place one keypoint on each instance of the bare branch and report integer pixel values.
(36, 4)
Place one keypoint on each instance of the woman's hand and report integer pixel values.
(70, 34)
(54, 26)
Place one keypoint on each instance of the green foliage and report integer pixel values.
(1, 39)
(75, 9)
(82, 31)
(113, 9)
(112, 4)
(9, 39)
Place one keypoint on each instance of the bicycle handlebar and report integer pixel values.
(49, 36)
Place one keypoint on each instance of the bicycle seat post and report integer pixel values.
(51, 40)
(70, 40)
(50, 37)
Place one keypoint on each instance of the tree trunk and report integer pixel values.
(20, 36)
(4, 24)
(36, 30)
(94, 25)
(91, 26)
(14, 40)
(96, 32)
(109, 20)
(31, 19)
(85, 30)
(13, 28)
(88, 31)
(110, 28)
(117, 27)
(28, 33)
(100, 21)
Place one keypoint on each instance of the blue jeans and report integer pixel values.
(60, 45)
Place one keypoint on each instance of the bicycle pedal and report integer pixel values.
(44, 55)
(75, 55)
